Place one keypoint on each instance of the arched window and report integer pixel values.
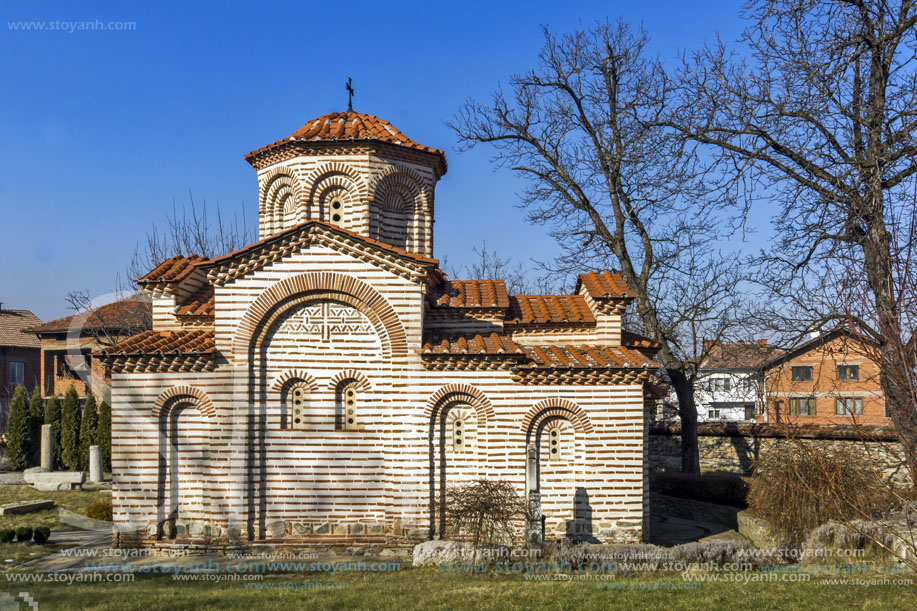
(558, 442)
(348, 405)
(296, 405)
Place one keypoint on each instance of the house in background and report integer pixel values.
(19, 356)
(67, 344)
(831, 379)
(728, 389)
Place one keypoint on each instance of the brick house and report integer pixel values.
(68, 345)
(19, 356)
(831, 379)
(328, 383)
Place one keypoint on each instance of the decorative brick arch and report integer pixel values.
(276, 188)
(196, 396)
(405, 179)
(294, 374)
(556, 408)
(451, 393)
(343, 174)
(350, 374)
(288, 293)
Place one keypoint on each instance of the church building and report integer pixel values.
(328, 383)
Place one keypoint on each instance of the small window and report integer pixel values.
(802, 406)
(848, 406)
(848, 372)
(802, 374)
(337, 210)
(714, 413)
(719, 385)
(750, 412)
(458, 435)
(17, 373)
(297, 404)
(555, 451)
(348, 393)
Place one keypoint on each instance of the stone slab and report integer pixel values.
(80, 521)
(47, 481)
(25, 507)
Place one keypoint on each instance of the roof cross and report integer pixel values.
(350, 92)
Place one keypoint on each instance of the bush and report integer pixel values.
(7, 535)
(798, 487)
(486, 510)
(41, 534)
(70, 430)
(36, 419)
(87, 429)
(18, 438)
(720, 487)
(103, 434)
(52, 417)
(23, 534)
(100, 510)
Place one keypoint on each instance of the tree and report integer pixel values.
(103, 434)
(36, 418)
(88, 423)
(53, 417)
(819, 114)
(619, 190)
(18, 440)
(70, 430)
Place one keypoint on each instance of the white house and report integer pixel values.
(729, 387)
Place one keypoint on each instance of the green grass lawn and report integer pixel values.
(74, 500)
(428, 589)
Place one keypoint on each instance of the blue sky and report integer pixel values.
(101, 130)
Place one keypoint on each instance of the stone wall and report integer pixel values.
(735, 448)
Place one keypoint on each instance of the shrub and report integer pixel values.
(100, 510)
(23, 534)
(7, 535)
(103, 434)
(70, 430)
(720, 487)
(52, 417)
(88, 428)
(487, 510)
(18, 439)
(36, 419)
(41, 534)
(800, 486)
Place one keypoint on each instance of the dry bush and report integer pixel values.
(798, 487)
(720, 487)
(487, 511)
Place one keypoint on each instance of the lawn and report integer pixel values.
(428, 589)
(74, 500)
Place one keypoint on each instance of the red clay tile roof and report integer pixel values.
(634, 340)
(278, 236)
(475, 344)
(541, 309)
(162, 343)
(739, 355)
(350, 126)
(128, 313)
(13, 324)
(473, 294)
(604, 285)
(198, 304)
(175, 269)
(586, 357)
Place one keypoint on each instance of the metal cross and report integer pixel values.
(350, 92)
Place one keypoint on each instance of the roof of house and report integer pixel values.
(635, 340)
(351, 126)
(472, 294)
(199, 303)
(470, 344)
(174, 269)
(164, 343)
(129, 313)
(549, 309)
(13, 325)
(576, 356)
(816, 342)
(739, 355)
(604, 285)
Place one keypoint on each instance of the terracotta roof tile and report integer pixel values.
(571, 356)
(604, 285)
(473, 294)
(739, 355)
(162, 343)
(476, 344)
(350, 125)
(552, 309)
(174, 269)
(198, 304)
(13, 324)
(130, 313)
(635, 340)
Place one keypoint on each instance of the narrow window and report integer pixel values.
(555, 451)
(337, 210)
(458, 435)
(296, 402)
(17, 373)
(848, 372)
(802, 374)
(348, 392)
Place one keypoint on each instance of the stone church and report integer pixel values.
(329, 382)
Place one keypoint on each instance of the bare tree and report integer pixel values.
(618, 190)
(520, 280)
(820, 114)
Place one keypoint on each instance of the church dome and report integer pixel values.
(351, 126)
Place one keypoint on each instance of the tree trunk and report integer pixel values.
(687, 412)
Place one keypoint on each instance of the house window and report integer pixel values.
(750, 412)
(802, 406)
(802, 374)
(296, 403)
(347, 394)
(713, 413)
(17, 373)
(848, 406)
(458, 435)
(848, 372)
(719, 385)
